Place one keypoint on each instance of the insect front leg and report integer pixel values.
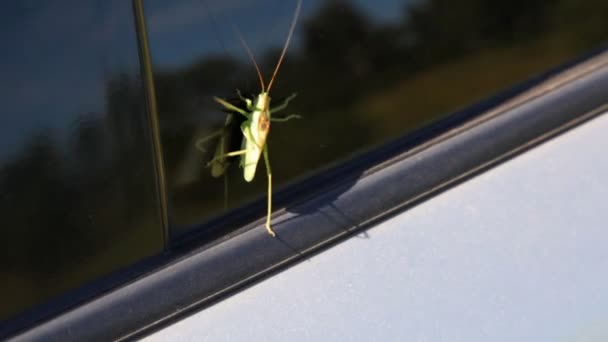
(287, 118)
(283, 104)
(232, 107)
(247, 101)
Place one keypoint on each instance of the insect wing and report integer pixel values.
(255, 136)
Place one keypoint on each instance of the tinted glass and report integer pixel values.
(77, 186)
(365, 72)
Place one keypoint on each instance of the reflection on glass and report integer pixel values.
(365, 72)
(77, 196)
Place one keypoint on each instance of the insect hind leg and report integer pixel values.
(269, 205)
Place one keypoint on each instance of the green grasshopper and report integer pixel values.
(258, 116)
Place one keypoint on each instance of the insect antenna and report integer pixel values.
(291, 29)
(257, 68)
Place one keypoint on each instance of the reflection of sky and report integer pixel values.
(55, 59)
(186, 29)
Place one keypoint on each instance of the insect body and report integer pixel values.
(258, 116)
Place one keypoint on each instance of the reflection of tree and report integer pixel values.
(443, 29)
(36, 196)
(66, 205)
(129, 145)
(584, 23)
(324, 36)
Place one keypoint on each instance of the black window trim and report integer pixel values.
(348, 199)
